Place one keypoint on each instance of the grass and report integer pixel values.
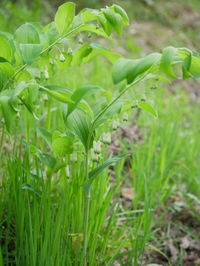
(41, 213)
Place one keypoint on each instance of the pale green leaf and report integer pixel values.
(167, 59)
(130, 69)
(80, 124)
(147, 107)
(5, 49)
(29, 52)
(64, 16)
(62, 144)
(27, 33)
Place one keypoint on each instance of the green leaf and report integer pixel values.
(98, 49)
(122, 13)
(167, 60)
(8, 111)
(93, 29)
(5, 50)
(114, 19)
(62, 144)
(82, 52)
(51, 32)
(46, 135)
(6, 72)
(80, 93)
(29, 52)
(29, 107)
(147, 107)
(61, 96)
(186, 66)
(89, 14)
(80, 124)
(27, 33)
(46, 159)
(65, 16)
(195, 67)
(94, 173)
(130, 69)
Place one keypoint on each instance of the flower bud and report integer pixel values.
(115, 124)
(46, 73)
(73, 158)
(125, 117)
(67, 170)
(97, 146)
(80, 41)
(62, 58)
(51, 61)
(69, 51)
(94, 156)
(106, 138)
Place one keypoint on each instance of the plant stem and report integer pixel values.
(109, 105)
(87, 211)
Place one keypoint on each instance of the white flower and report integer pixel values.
(106, 138)
(94, 156)
(125, 117)
(97, 146)
(62, 58)
(115, 124)
(46, 74)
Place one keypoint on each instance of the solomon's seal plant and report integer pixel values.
(34, 53)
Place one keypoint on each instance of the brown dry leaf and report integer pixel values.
(173, 250)
(185, 242)
(127, 193)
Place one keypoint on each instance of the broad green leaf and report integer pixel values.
(62, 144)
(51, 33)
(195, 67)
(122, 13)
(114, 19)
(83, 105)
(93, 29)
(64, 16)
(46, 135)
(131, 69)
(97, 49)
(58, 95)
(147, 107)
(82, 52)
(167, 60)
(7, 69)
(89, 14)
(94, 173)
(80, 124)
(46, 159)
(27, 33)
(29, 107)
(3, 60)
(8, 111)
(5, 49)
(80, 93)
(106, 25)
(29, 52)
(6, 72)
(186, 66)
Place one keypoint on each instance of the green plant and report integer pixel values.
(29, 59)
